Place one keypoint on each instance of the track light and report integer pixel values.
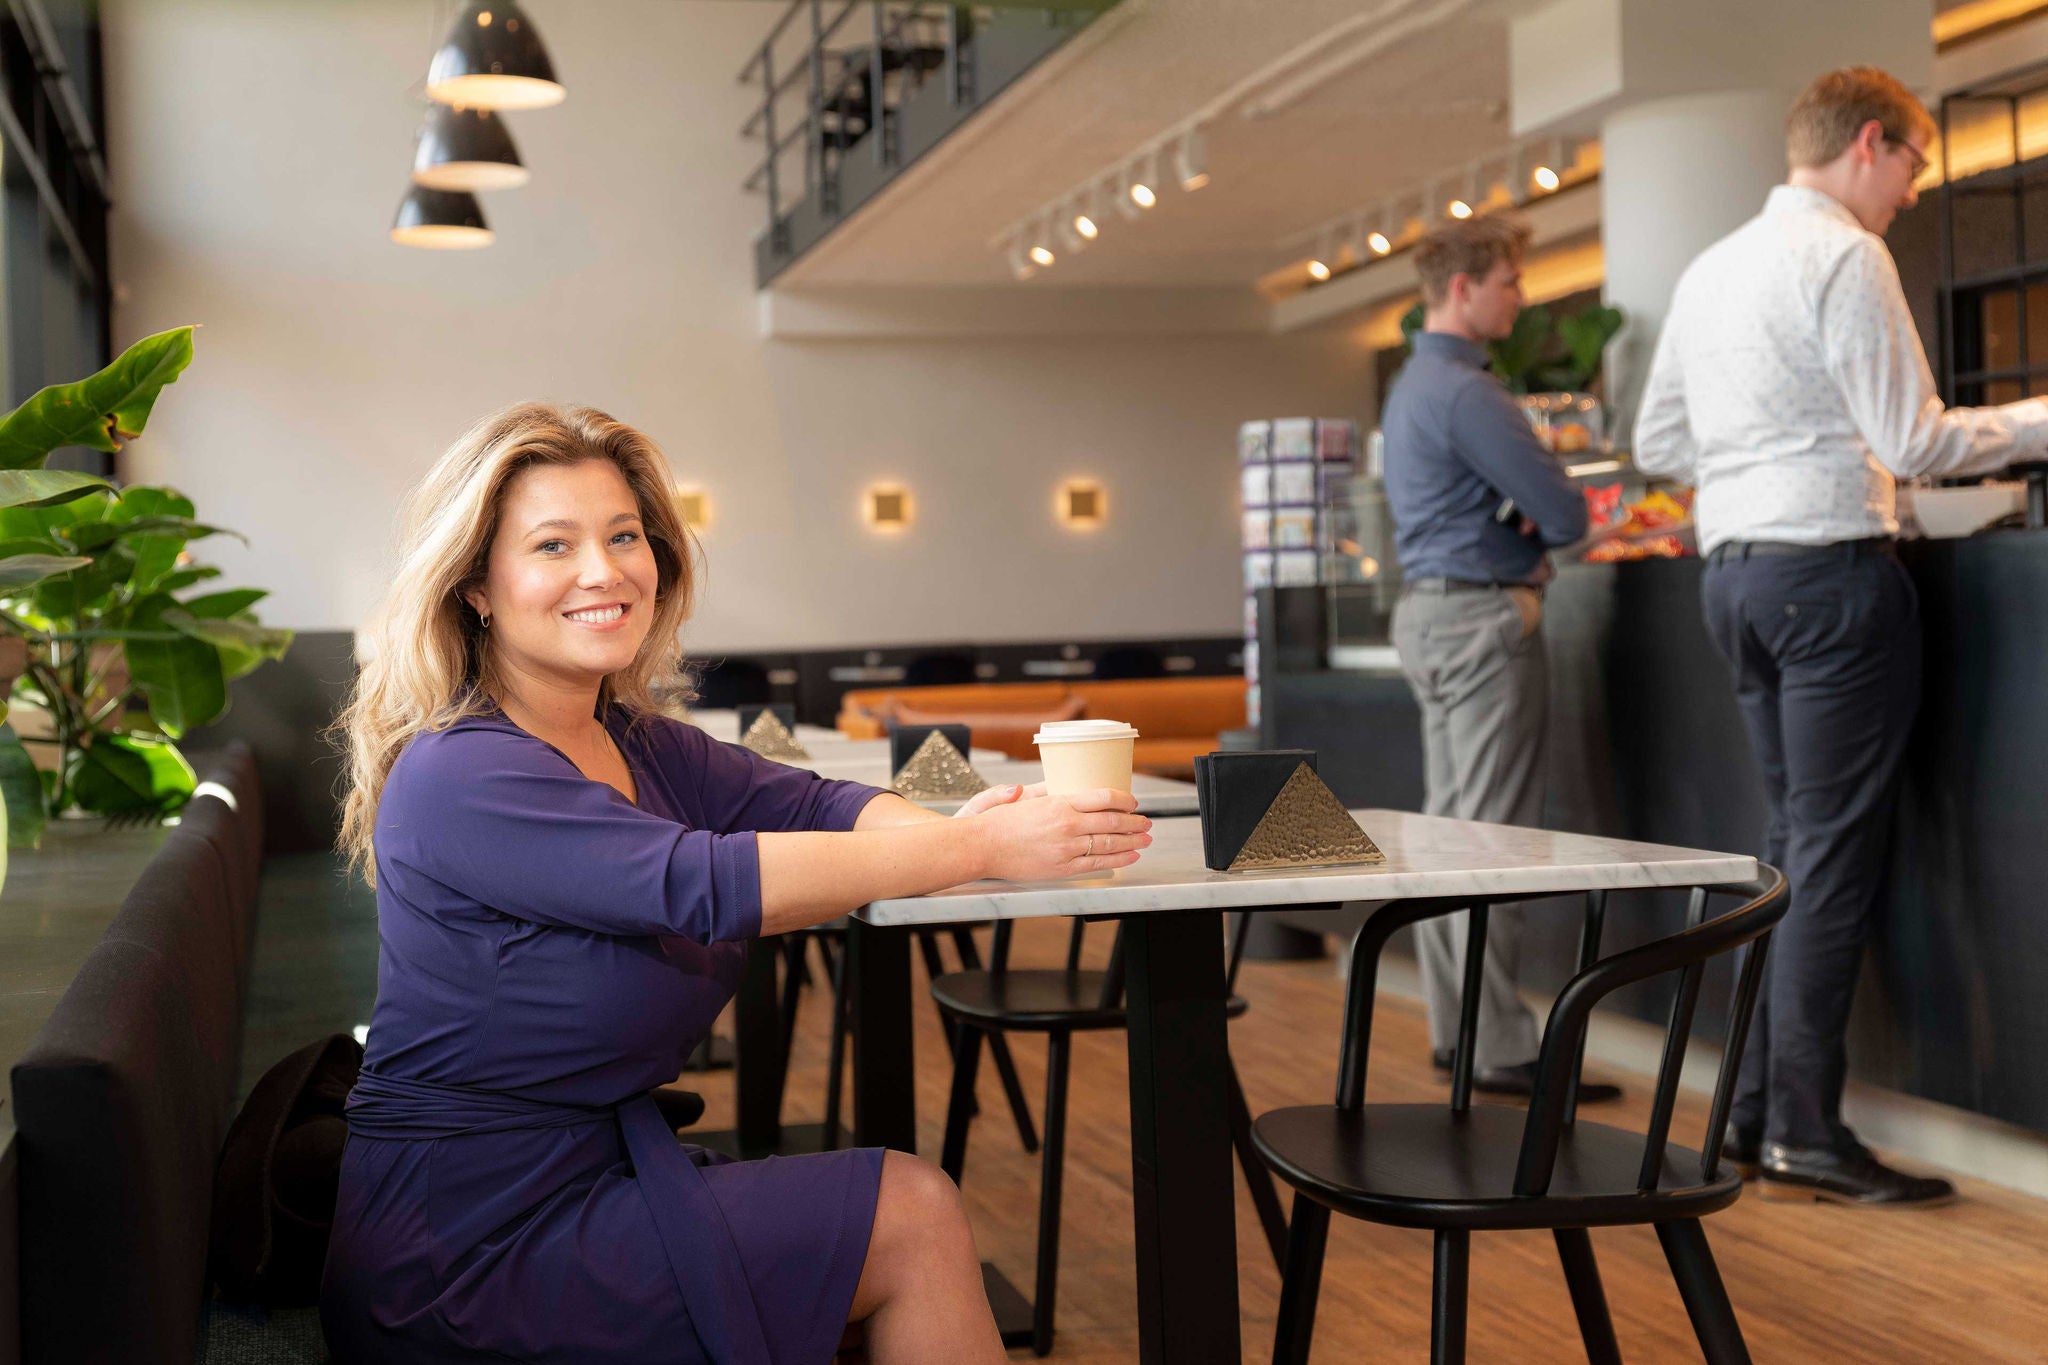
(1458, 208)
(1020, 259)
(1139, 179)
(1319, 270)
(493, 59)
(1042, 254)
(1545, 178)
(1379, 243)
(1191, 160)
(1085, 225)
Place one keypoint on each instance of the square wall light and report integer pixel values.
(887, 507)
(1082, 504)
(693, 505)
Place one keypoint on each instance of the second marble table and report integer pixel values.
(1172, 910)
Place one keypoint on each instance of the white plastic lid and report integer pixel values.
(1081, 731)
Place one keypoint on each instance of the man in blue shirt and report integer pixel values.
(1477, 502)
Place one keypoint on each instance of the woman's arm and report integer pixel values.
(810, 877)
(889, 809)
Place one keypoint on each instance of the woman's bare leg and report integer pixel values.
(920, 1292)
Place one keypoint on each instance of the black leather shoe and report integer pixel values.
(1743, 1153)
(1851, 1177)
(1520, 1080)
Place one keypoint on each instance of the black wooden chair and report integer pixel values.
(1060, 1002)
(830, 939)
(1464, 1169)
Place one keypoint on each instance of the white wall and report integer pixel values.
(258, 150)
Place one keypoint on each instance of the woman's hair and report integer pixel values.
(426, 657)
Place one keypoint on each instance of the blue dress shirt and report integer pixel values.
(1456, 445)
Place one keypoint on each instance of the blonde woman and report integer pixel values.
(566, 883)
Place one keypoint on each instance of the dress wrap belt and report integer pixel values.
(701, 1252)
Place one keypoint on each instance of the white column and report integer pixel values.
(1676, 175)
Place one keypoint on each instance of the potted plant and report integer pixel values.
(121, 651)
(1543, 354)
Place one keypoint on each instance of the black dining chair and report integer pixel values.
(1468, 1169)
(1060, 1002)
(830, 939)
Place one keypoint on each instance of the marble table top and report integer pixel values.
(1426, 856)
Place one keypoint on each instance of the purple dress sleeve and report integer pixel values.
(493, 814)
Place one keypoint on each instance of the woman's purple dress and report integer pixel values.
(551, 952)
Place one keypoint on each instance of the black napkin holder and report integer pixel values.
(906, 740)
(782, 710)
(1267, 808)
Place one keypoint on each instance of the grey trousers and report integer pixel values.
(1474, 659)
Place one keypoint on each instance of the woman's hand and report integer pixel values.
(1044, 837)
(992, 797)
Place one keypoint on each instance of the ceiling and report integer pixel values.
(1375, 96)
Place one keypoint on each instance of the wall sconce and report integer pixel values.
(693, 505)
(887, 507)
(1082, 504)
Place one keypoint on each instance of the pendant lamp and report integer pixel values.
(444, 220)
(493, 59)
(466, 149)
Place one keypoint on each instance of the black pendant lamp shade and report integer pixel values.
(466, 149)
(493, 59)
(447, 220)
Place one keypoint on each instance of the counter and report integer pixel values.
(1646, 744)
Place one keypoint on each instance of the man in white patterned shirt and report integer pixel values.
(1790, 386)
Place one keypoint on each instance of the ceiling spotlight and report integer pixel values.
(1318, 270)
(493, 59)
(1142, 195)
(466, 149)
(1545, 178)
(1085, 225)
(444, 220)
(1142, 178)
(1020, 259)
(1042, 254)
(1458, 208)
(1379, 243)
(1191, 160)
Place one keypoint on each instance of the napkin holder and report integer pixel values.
(1264, 809)
(770, 731)
(929, 763)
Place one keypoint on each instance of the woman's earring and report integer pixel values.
(486, 620)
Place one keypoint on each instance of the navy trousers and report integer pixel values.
(1825, 650)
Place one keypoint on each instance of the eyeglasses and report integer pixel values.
(1919, 161)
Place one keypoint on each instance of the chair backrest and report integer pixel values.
(1686, 952)
(1552, 1106)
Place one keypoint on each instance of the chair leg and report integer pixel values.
(1706, 1299)
(999, 1051)
(934, 968)
(1051, 1165)
(960, 1105)
(1589, 1301)
(1447, 1308)
(835, 1071)
(1257, 1178)
(1301, 1281)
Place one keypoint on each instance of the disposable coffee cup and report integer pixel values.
(1085, 755)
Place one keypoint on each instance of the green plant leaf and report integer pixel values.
(22, 788)
(45, 521)
(243, 645)
(91, 535)
(67, 597)
(122, 774)
(45, 487)
(24, 570)
(184, 680)
(94, 412)
(219, 606)
(186, 577)
(1585, 338)
(150, 500)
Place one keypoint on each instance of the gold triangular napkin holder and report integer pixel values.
(1306, 826)
(770, 738)
(938, 772)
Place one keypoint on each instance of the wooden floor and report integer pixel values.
(1811, 1283)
